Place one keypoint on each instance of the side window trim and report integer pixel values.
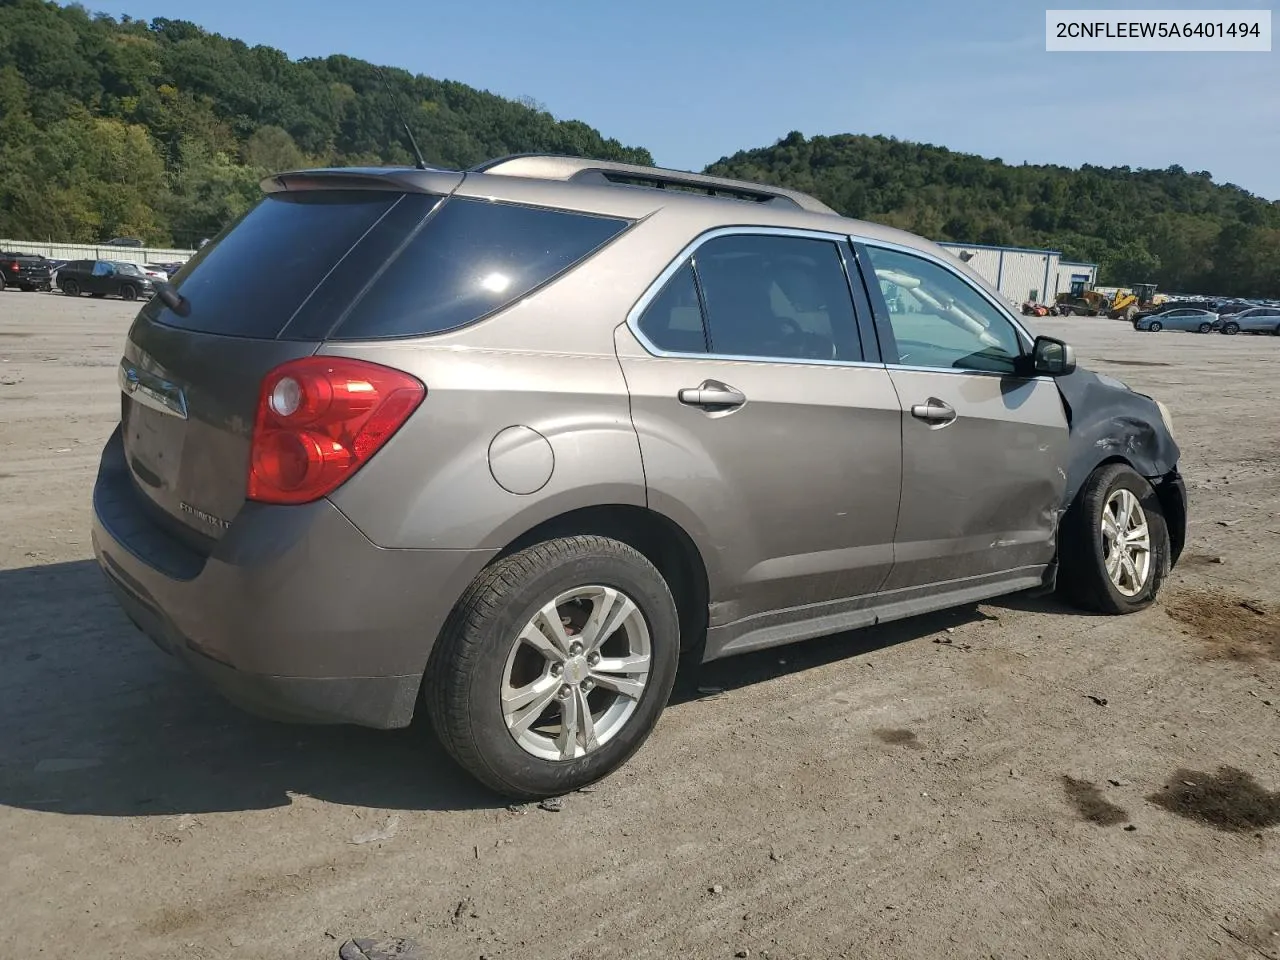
(702, 302)
(862, 309)
(689, 255)
(880, 308)
(885, 339)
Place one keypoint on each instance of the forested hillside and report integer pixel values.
(160, 130)
(1176, 228)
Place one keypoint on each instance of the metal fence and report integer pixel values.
(96, 251)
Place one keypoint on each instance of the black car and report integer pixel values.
(24, 271)
(1228, 307)
(105, 278)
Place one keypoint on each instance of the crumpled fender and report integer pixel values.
(1106, 420)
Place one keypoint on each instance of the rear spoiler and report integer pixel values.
(407, 179)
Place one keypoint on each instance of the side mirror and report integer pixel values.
(1052, 358)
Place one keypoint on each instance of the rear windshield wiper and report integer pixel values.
(172, 299)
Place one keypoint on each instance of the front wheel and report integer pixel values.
(71, 288)
(1204, 328)
(1231, 329)
(129, 292)
(1114, 546)
(1155, 326)
(554, 667)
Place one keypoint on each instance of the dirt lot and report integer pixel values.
(1014, 780)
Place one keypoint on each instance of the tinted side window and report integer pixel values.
(778, 297)
(471, 258)
(938, 319)
(673, 319)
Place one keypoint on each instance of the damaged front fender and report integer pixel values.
(1109, 423)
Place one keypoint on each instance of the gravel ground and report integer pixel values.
(1007, 780)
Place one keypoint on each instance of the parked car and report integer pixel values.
(1172, 304)
(554, 427)
(1253, 320)
(155, 271)
(1182, 318)
(104, 278)
(24, 271)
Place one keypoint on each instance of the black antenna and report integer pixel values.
(421, 164)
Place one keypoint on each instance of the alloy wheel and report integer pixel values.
(1126, 542)
(576, 673)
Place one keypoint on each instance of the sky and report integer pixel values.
(697, 80)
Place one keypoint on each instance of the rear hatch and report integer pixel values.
(32, 270)
(334, 255)
(267, 290)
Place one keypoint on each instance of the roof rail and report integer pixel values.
(580, 169)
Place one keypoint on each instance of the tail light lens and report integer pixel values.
(319, 420)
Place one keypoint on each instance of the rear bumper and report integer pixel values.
(295, 614)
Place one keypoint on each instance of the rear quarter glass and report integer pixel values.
(252, 279)
(469, 259)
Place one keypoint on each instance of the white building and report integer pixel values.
(1025, 273)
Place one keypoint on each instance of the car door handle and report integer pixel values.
(712, 394)
(934, 411)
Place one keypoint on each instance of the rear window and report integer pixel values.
(470, 259)
(251, 280)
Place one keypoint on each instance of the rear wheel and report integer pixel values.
(1114, 544)
(1155, 326)
(129, 292)
(1277, 330)
(71, 288)
(555, 666)
(1231, 329)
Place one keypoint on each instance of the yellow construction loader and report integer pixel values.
(1126, 303)
(1086, 303)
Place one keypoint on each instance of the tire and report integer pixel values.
(71, 288)
(1231, 329)
(2, 283)
(479, 650)
(1204, 328)
(1155, 326)
(129, 292)
(1130, 313)
(1276, 331)
(1083, 577)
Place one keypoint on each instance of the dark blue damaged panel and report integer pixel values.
(1107, 420)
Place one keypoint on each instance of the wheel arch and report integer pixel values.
(662, 541)
(1163, 482)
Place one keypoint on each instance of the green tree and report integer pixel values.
(271, 150)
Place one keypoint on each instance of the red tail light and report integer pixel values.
(319, 420)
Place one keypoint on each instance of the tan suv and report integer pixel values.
(510, 442)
